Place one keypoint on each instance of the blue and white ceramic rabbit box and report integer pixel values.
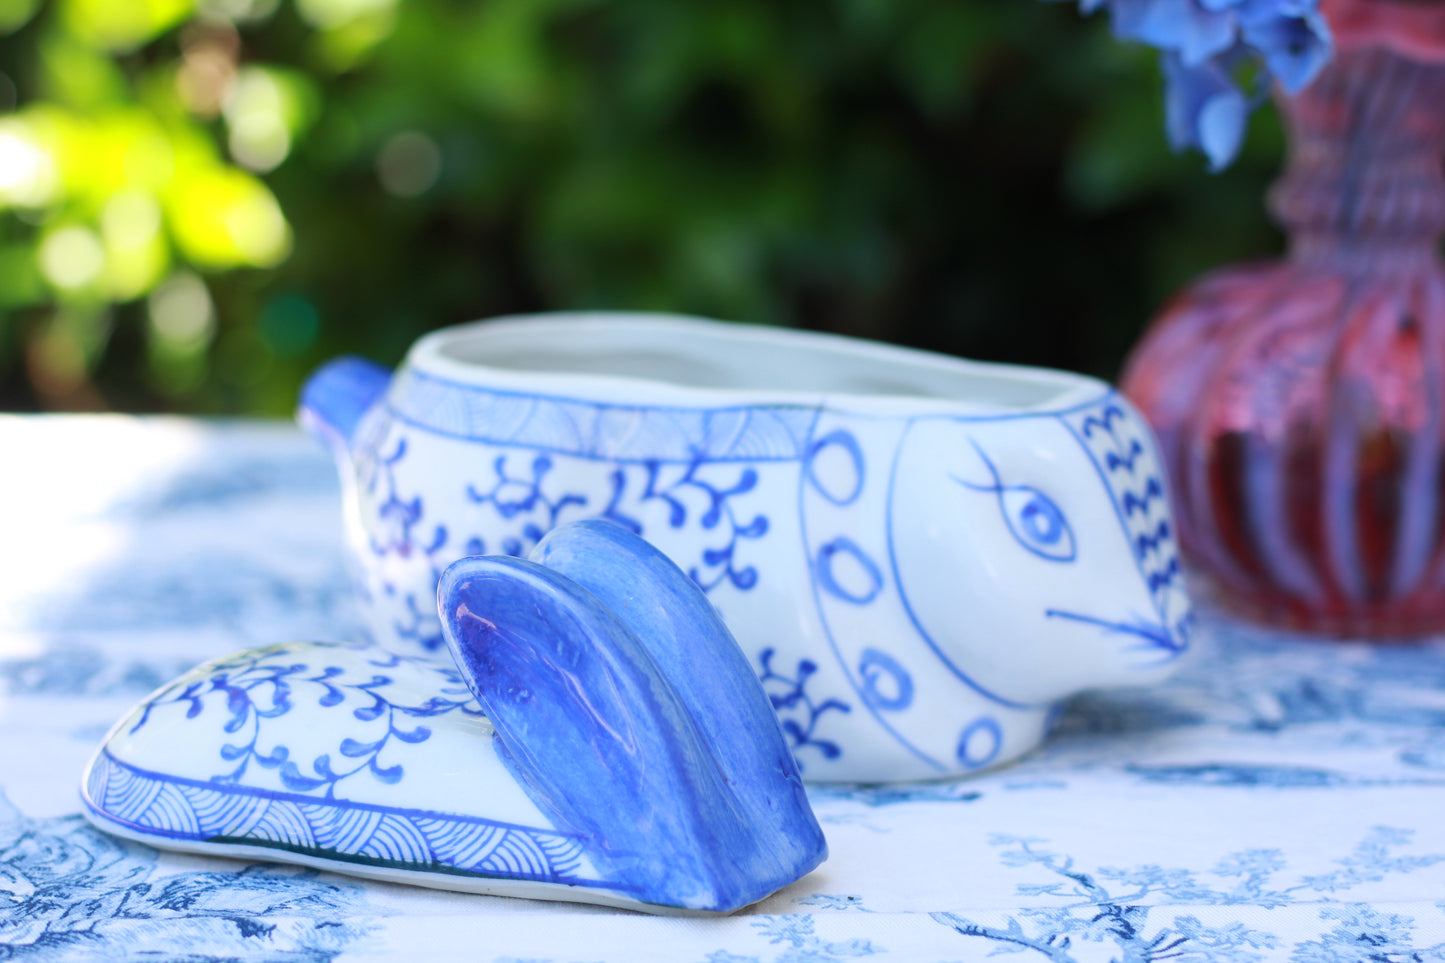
(921, 556)
(600, 738)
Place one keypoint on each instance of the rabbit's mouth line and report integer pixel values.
(1153, 637)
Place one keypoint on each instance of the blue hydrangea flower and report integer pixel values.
(1202, 42)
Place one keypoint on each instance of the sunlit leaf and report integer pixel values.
(222, 217)
(71, 257)
(136, 252)
(76, 75)
(265, 110)
(348, 29)
(182, 324)
(347, 46)
(123, 24)
(29, 176)
(331, 14)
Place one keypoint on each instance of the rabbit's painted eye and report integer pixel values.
(1037, 523)
(1033, 518)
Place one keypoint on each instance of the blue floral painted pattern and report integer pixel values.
(259, 791)
(521, 491)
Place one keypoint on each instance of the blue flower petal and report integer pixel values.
(1295, 45)
(1183, 26)
(1203, 109)
(1221, 127)
(1202, 41)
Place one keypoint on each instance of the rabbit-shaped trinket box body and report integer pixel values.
(922, 556)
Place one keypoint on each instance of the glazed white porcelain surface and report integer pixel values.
(921, 556)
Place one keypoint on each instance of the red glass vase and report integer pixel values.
(1300, 403)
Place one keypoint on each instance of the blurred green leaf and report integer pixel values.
(77, 75)
(14, 13)
(23, 286)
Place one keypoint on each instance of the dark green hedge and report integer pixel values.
(982, 177)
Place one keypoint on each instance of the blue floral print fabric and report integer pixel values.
(1279, 799)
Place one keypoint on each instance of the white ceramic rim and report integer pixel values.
(434, 355)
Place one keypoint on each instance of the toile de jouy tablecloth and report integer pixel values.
(1281, 798)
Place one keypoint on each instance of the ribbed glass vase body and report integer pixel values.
(1301, 403)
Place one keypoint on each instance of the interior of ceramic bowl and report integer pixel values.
(699, 354)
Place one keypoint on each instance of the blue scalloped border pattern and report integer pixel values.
(157, 805)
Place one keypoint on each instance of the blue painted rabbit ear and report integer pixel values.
(691, 645)
(600, 738)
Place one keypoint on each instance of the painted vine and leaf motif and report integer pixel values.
(523, 494)
(797, 709)
(260, 685)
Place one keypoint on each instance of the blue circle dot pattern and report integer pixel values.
(848, 492)
(874, 668)
(828, 558)
(980, 742)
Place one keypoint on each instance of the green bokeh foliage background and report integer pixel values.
(199, 203)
